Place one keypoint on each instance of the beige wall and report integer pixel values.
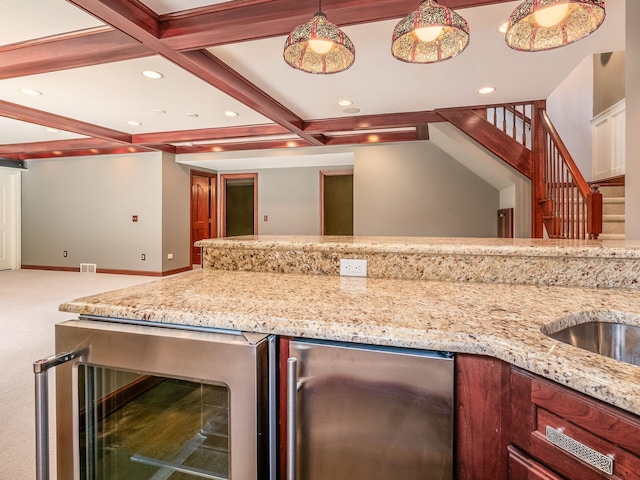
(84, 205)
(416, 189)
(570, 108)
(608, 80)
(399, 189)
(632, 166)
(176, 216)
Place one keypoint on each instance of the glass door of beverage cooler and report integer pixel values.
(140, 402)
(135, 426)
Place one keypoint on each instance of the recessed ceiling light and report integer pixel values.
(486, 90)
(158, 111)
(192, 115)
(52, 130)
(345, 103)
(134, 123)
(351, 110)
(152, 74)
(373, 138)
(31, 91)
(503, 28)
(292, 144)
(229, 113)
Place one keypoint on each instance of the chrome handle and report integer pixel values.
(588, 455)
(40, 369)
(292, 414)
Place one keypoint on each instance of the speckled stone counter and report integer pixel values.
(602, 264)
(497, 298)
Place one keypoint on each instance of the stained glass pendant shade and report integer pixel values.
(432, 33)
(537, 25)
(319, 46)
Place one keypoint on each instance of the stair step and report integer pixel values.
(612, 218)
(611, 236)
(612, 191)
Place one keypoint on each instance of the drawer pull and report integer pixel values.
(588, 455)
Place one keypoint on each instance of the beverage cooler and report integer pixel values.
(136, 401)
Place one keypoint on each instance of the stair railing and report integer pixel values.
(563, 202)
(570, 208)
(513, 119)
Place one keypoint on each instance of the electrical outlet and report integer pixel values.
(64, 254)
(353, 267)
(144, 257)
(169, 256)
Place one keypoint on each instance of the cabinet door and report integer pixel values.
(523, 467)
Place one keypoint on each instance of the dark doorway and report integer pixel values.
(336, 192)
(203, 211)
(239, 204)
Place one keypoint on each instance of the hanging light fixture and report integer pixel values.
(430, 34)
(537, 25)
(319, 46)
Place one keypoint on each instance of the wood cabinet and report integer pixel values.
(570, 434)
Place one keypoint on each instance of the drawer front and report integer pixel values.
(572, 434)
(577, 453)
(523, 467)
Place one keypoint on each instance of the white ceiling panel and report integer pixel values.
(30, 19)
(378, 83)
(169, 6)
(110, 95)
(15, 131)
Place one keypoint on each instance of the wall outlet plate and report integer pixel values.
(351, 267)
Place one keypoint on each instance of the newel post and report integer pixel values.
(594, 212)
(538, 188)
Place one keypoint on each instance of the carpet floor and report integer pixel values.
(29, 301)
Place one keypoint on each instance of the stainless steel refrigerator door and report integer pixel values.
(224, 364)
(372, 413)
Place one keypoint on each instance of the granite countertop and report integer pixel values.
(496, 319)
(435, 245)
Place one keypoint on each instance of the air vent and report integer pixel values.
(88, 268)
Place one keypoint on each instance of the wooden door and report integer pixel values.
(203, 219)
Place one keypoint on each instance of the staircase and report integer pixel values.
(613, 211)
(522, 135)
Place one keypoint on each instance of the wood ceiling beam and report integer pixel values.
(368, 138)
(51, 146)
(31, 115)
(143, 27)
(242, 21)
(365, 122)
(121, 150)
(210, 134)
(69, 50)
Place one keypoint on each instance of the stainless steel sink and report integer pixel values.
(615, 340)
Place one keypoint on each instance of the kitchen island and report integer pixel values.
(496, 298)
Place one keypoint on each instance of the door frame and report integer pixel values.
(213, 226)
(16, 236)
(223, 195)
(323, 174)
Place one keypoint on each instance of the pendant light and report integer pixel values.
(537, 25)
(319, 46)
(430, 34)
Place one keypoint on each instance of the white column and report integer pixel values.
(632, 176)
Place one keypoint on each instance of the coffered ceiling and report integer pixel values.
(86, 58)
